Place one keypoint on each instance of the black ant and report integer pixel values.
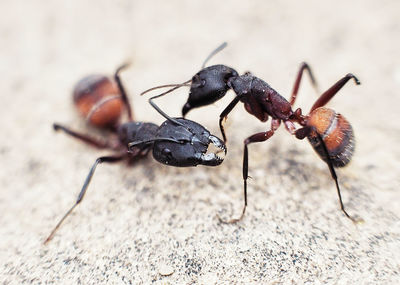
(176, 142)
(329, 133)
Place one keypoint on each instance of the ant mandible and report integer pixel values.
(328, 132)
(176, 142)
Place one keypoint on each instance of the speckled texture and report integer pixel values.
(153, 223)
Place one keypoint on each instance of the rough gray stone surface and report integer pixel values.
(152, 223)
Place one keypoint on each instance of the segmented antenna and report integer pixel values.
(176, 86)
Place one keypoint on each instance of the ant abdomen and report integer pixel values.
(99, 100)
(336, 133)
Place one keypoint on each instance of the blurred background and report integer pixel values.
(153, 223)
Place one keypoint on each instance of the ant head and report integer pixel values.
(208, 86)
(99, 100)
(193, 145)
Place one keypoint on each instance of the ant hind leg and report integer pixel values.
(85, 138)
(328, 94)
(82, 193)
(304, 66)
(304, 132)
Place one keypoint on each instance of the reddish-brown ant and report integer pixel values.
(329, 133)
(176, 142)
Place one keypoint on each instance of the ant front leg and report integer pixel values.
(259, 137)
(303, 66)
(85, 138)
(122, 90)
(224, 115)
(306, 131)
(83, 190)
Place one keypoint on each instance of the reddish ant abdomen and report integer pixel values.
(336, 133)
(99, 100)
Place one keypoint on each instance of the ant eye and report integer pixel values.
(196, 79)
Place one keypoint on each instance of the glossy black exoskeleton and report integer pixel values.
(175, 145)
(208, 86)
(176, 142)
(329, 133)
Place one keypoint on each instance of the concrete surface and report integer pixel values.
(153, 223)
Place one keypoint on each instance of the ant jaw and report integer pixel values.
(218, 143)
(210, 159)
(216, 152)
(186, 108)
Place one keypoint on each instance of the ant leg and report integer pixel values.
(83, 191)
(225, 113)
(303, 66)
(122, 90)
(85, 138)
(304, 132)
(259, 137)
(328, 94)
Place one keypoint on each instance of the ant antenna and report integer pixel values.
(214, 52)
(186, 83)
(167, 85)
(162, 94)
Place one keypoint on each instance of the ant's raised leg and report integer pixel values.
(328, 94)
(259, 137)
(303, 66)
(122, 90)
(85, 138)
(304, 132)
(84, 188)
(225, 113)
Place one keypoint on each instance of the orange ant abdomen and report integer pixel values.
(336, 133)
(99, 100)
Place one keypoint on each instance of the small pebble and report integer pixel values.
(166, 270)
